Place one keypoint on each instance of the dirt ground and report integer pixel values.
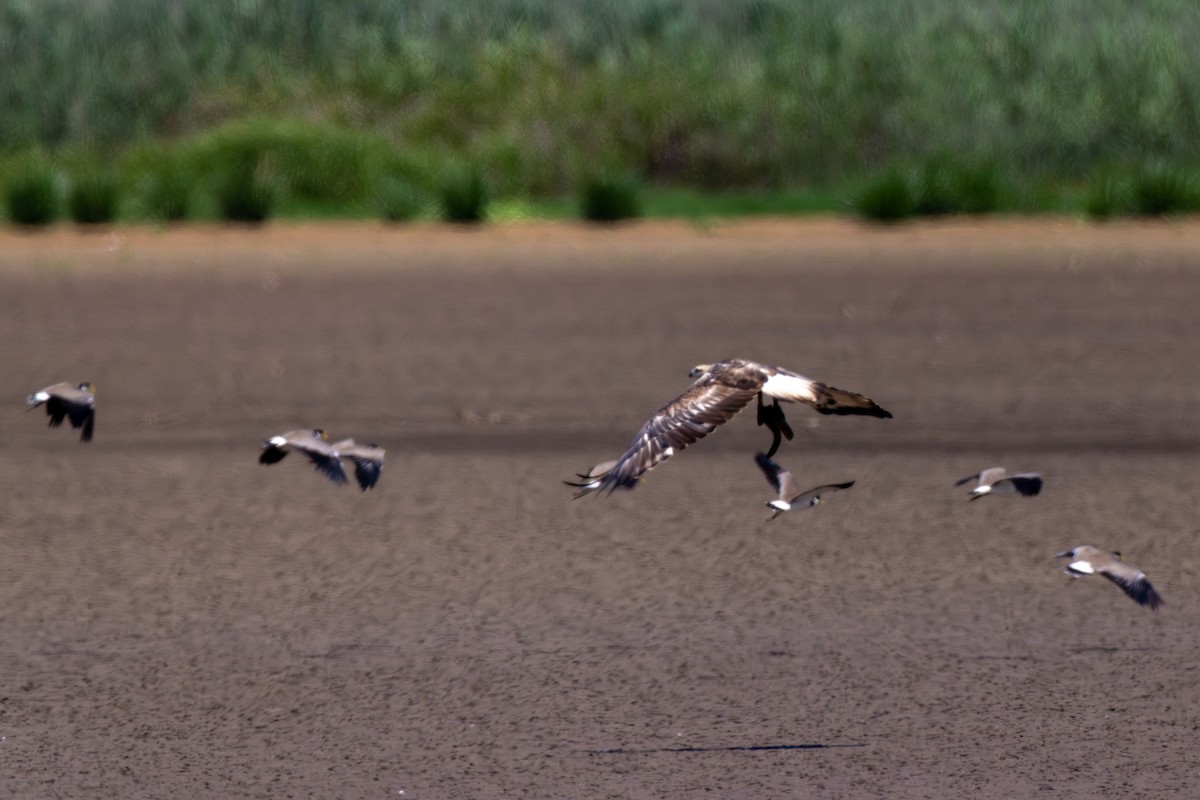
(178, 621)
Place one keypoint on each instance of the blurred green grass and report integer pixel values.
(771, 106)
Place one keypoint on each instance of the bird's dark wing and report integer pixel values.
(697, 412)
(272, 454)
(1134, 582)
(57, 409)
(89, 424)
(967, 479)
(1026, 483)
(773, 471)
(366, 471)
(590, 481)
(324, 458)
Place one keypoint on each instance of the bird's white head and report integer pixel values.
(699, 370)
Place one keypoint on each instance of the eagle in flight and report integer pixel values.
(719, 392)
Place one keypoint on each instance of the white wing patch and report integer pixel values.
(1081, 566)
(790, 388)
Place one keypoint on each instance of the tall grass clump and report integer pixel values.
(463, 196)
(32, 193)
(168, 192)
(887, 198)
(977, 188)
(398, 200)
(1160, 190)
(245, 192)
(1106, 197)
(94, 197)
(307, 161)
(610, 198)
(936, 193)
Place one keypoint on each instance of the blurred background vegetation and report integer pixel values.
(366, 106)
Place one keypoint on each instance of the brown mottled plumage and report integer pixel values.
(719, 392)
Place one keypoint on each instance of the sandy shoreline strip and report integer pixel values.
(811, 241)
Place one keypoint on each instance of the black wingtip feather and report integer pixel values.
(1029, 487)
(873, 411)
(367, 472)
(1143, 594)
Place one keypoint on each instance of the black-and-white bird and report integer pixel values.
(995, 481)
(75, 402)
(1088, 560)
(313, 443)
(367, 458)
(719, 392)
(790, 494)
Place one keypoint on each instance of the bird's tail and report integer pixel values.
(832, 400)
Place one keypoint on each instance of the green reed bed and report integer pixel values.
(742, 94)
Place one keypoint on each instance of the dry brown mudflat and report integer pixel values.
(178, 621)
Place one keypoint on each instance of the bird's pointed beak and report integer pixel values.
(1063, 554)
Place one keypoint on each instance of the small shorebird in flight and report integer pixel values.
(995, 481)
(790, 494)
(312, 443)
(719, 392)
(1088, 560)
(367, 458)
(68, 401)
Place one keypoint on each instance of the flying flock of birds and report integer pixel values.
(723, 389)
(77, 404)
(717, 394)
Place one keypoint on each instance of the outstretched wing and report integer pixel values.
(324, 458)
(968, 479)
(1026, 483)
(693, 415)
(272, 454)
(590, 481)
(779, 478)
(366, 470)
(1133, 582)
(57, 409)
(87, 420)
